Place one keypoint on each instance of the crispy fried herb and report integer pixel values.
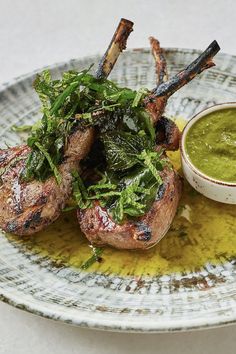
(129, 192)
(122, 149)
(76, 94)
(129, 170)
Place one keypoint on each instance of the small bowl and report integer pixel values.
(218, 190)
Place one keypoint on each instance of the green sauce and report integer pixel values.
(211, 144)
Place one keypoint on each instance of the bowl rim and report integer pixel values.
(190, 123)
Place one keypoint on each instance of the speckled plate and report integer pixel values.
(188, 281)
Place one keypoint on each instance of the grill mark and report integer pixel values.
(3, 156)
(34, 218)
(144, 232)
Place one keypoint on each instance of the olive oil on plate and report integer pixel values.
(202, 232)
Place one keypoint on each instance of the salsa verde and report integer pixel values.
(211, 144)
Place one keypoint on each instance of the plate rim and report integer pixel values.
(98, 321)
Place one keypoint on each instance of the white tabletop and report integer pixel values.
(34, 33)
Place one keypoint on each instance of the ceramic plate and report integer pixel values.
(188, 281)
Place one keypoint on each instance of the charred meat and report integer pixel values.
(97, 222)
(29, 201)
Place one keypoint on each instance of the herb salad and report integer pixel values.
(124, 167)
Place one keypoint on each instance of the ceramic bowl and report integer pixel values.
(218, 190)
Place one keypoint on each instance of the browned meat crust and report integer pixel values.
(26, 208)
(142, 233)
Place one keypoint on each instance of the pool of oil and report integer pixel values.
(203, 231)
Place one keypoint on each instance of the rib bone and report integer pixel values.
(156, 101)
(117, 45)
(160, 60)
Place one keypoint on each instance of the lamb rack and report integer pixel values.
(145, 231)
(27, 207)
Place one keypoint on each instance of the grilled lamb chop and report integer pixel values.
(28, 207)
(147, 230)
(156, 101)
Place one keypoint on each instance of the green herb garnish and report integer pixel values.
(21, 128)
(124, 167)
(96, 257)
(75, 99)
